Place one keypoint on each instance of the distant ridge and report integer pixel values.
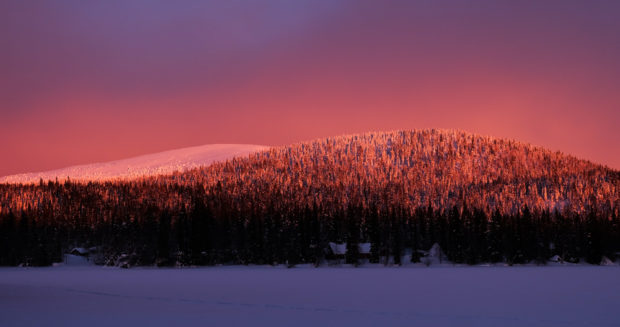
(146, 165)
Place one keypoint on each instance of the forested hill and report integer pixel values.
(441, 168)
(481, 199)
(405, 169)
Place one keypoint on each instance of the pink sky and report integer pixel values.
(84, 82)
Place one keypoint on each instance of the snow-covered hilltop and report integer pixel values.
(146, 165)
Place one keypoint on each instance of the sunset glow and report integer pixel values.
(309, 163)
(85, 82)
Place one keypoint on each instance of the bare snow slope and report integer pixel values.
(146, 165)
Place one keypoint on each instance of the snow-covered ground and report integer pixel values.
(306, 296)
(146, 165)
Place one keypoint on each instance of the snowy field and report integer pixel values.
(276, 296)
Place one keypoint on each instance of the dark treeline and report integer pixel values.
(209, 234)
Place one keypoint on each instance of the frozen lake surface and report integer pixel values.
(276, 296)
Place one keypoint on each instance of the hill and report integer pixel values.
(152, 164)
(479, 198)
(440, 168)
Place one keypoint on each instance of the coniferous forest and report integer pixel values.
(481, 199)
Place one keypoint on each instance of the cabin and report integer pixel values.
(364, 250)
(80, 251)
(338, 251)
(556, 258)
